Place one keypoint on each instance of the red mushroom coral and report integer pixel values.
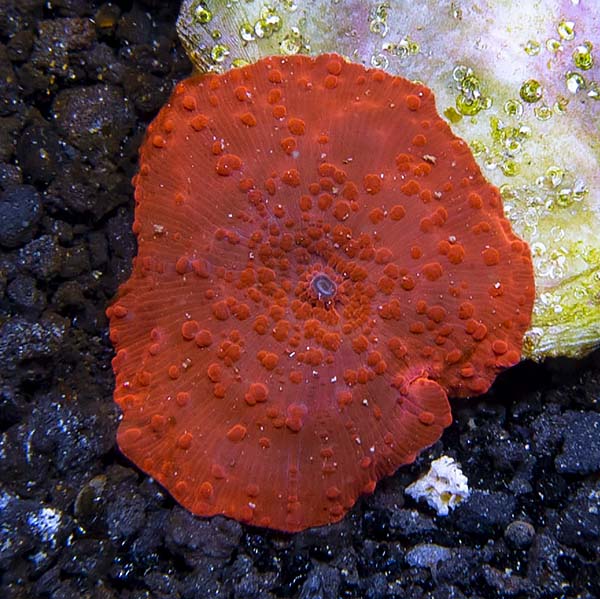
(320, 263)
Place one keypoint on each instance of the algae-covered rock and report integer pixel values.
(520, 81)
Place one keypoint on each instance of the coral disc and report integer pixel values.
(320, 264)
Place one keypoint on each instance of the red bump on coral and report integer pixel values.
(308, 289)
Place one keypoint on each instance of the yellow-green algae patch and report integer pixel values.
(519, 80)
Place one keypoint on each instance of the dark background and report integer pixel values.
(79, 82)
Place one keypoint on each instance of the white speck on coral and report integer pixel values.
(443, 487)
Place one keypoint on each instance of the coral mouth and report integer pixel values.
(324, 287)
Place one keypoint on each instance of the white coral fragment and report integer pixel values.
(443, 487)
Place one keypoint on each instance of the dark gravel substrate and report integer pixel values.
(79, 81)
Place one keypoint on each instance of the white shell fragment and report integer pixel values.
(443, 487)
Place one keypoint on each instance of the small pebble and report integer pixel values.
(20, 212)
(581, 448)
(519, 534)
(427, 555)
(23, 291)
(484, 512)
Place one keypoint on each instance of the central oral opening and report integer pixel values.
(324, 287)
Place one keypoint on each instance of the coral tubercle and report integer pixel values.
(320, 264)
